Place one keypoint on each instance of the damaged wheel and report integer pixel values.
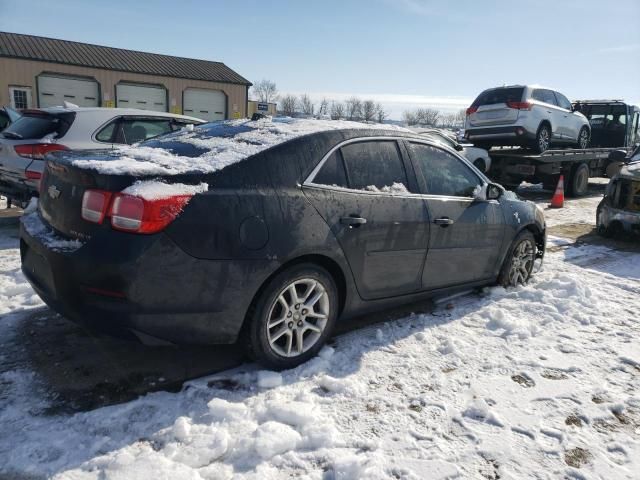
(518, 265)
(293, 317)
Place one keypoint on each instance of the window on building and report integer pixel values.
(20, 99)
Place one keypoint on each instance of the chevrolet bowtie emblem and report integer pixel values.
(53, 192)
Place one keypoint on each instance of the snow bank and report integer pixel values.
(224, 144)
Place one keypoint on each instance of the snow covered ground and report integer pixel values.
(541, 381)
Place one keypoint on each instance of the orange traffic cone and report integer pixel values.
(558, 197)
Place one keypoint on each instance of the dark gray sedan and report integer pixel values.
(274, 248)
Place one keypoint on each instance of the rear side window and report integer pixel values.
(544, 95)
(139, 130)
(332, 172)
(374, 165)
(37, 126)
(106, 134)
(4, 120)
(499, 95)
(443, 173)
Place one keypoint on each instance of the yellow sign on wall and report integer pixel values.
(236, 114)
(108, 104)
(176, 109)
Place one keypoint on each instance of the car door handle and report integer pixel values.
(353, 221)
(443, 221)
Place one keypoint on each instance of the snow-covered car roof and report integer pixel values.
(213, 146)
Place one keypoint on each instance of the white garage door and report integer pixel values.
(205, 104)
(54, 91)
(144, 97)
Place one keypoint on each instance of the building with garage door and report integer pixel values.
(44, 72)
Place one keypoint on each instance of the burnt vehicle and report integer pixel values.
(268, 232)
(619, 210)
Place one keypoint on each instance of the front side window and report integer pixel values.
(443, 173)
(563, 102)
(139, 130)
(374, 166)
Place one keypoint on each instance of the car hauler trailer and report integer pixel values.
(614, 133)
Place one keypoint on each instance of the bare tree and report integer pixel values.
(368, 110)
(289, 105)
(337, 111)
(381, 113)
(354, 108)
(448, 120)
(265, 91)
(306, 105)
(323, 109)
(422, 116)
(461, 117)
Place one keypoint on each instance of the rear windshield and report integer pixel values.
(195, 144)
(33, 126)
(499, 95)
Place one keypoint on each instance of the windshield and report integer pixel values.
(499, 95)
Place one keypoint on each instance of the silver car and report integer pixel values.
(24, 144)
(479, 157)
(527, 116)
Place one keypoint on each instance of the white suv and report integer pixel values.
(527, 116)
(24, 144)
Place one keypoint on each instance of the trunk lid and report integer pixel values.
(491, 107)
(62, 189)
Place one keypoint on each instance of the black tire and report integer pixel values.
(543, 138)
(579, 181)
(261, 342)
(480, 165)
(514, 260)
(583, 139)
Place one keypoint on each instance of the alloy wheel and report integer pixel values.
(298, 317)
(543, 139)
(521, 262)
(584, 138)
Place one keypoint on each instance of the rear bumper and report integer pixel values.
(511, 135)
(142, 286)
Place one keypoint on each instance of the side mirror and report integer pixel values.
(494, 192)
(618, 156)
(488, 191)
(458, 147)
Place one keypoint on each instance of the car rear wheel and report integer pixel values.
(292, 317)
(518, 264)
(543, 138)
(579, 181)
(583, 138)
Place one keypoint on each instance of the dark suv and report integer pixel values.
(275, 246)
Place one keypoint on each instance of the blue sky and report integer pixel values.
(401, 52)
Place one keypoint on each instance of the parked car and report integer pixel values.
(479, 157)
(526, 116)
(619, 210)
(7, 117)
(24, 144)
(268, 232)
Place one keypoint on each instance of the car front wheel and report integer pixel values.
(292, 317)
(518, 264)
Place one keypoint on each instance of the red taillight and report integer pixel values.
(138, 215)
(33, 175)
(95, 204)
(471, 110)
(37, 151)
(520, 105)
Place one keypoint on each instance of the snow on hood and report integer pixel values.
(222, 144)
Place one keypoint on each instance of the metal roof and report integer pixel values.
(30, 47)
